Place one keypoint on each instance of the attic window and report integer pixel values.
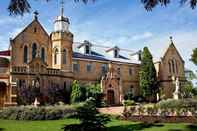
(87, 49)
(35, 30)
(116, 53)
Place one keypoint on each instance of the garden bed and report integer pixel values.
(163, 119)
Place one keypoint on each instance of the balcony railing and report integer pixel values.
(47, 71)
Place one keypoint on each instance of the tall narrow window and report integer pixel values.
(64, 56)
(169, 64)
(25, 57)
(130, 71)
(116, 53)
(87, 49)
(103, 68)
(89, 67)
(43, 54)
(177, 68)
(56, 55)
(173, 66)
(34, 50)
(76, 67)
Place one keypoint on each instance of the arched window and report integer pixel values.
(55, 56)
(64, 56)
(43, 54)
(34, 50)
(169, 64)
(25, 55)
(173, 66)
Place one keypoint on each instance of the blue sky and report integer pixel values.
(124, 23)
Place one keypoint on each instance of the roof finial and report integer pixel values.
(36, 15)
(62, 7)
(171, 39)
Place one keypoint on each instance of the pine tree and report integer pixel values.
(148, 78)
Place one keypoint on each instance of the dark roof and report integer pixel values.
(5, 53)
(92, 57)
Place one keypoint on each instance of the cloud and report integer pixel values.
(145, 35)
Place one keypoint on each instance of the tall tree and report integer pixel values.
(78, 92)
(194, 56)
(148, 78)
(19, 7)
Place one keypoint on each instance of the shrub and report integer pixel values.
(181, 103)
(94, 91)
(90, 118)
(38, 113)
(128, 102)
(78, 93)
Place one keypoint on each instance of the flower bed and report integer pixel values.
(164, 111)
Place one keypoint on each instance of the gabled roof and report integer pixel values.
(174, 47)
(84, 44)
(34, 21)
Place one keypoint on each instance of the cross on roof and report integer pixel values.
(62, 7)
(36, 14)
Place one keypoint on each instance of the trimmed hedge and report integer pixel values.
(37, 113)
(177, 104)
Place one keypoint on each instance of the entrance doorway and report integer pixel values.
(110, 97)
(2, 93)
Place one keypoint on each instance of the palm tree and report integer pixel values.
(19, 7)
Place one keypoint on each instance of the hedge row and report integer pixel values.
(37, 113)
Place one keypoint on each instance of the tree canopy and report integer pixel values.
(194, 56)
(20, 7)
(148, 78)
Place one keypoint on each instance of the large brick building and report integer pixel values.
(38, 59)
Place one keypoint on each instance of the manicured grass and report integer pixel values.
(114, 125)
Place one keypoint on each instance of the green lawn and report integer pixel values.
(114, 125)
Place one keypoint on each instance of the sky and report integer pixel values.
(124, 23)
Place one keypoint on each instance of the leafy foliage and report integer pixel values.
(148, 79)
(78, 92)
(90, 118)
(194, 56)
(94, 91)
(39, 113)
(181, 103)
(187, 90)
(57, 94)
(19, 7)
(150, 4)
(27, 95)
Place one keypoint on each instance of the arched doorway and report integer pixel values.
(110, 97)
(2, 93)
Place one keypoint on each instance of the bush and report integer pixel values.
(37, 113)
(128, 102)
(181, 103)
(78, 93)
(90, 118)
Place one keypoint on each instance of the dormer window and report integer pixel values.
(114, 52)
(85, 47)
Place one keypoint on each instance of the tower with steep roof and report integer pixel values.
(62, 41)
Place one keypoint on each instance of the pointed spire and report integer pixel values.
(62, 7)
